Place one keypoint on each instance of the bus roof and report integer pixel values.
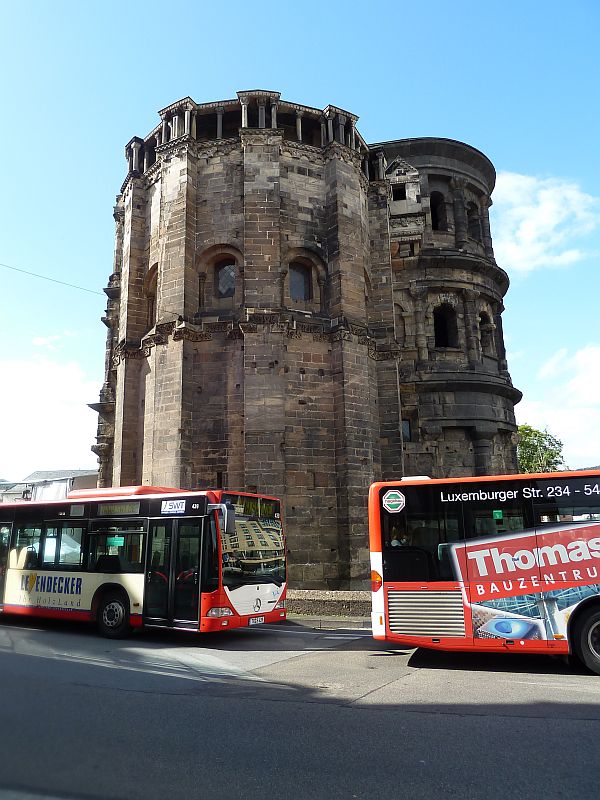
(122, 491)
(521, 476)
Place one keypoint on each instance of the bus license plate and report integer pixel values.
(255, 620)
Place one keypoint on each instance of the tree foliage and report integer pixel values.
(539, 451)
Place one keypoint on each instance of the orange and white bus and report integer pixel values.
(131, 556)
(509, 563)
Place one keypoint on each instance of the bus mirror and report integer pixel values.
(226, 516)
(229, 519)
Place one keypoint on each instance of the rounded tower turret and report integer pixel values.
(456, 396)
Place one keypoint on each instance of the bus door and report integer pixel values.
(4, 543)
(172, 596)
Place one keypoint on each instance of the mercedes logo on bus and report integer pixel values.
(257, 604)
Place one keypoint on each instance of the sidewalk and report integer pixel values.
(326, 623)
(325, 610)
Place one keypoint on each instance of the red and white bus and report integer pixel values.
(143, 555)
(509, 563)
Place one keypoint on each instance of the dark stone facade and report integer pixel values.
(294, 311)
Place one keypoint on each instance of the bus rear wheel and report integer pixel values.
(587, 640)
(113, 616)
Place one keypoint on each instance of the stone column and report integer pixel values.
(187, 122)
(482, 451)
(500, 347)
(419, 294)
(330, 129)
(244, 113)
(471, 326)
(352, 135)
(261, 114)
(146, 158)
(157, 139)
(201, 286)
(135, 165)
(175, 126)
(323, 131)
(220, 122)
(165, 131)
(380, 165)
(486, 202)
(426, 203)
(460, 212)
(194, 130)
(342, 128)
(273, 115)
(299, 115)
(129, 157)
(366, 169)
(282, 276)
(321, 283)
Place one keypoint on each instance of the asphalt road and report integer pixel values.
(286, 711)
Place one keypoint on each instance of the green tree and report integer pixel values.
(539, 451)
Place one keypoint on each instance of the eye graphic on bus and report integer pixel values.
(509, 628)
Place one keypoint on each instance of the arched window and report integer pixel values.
(486, 334)
(225, 278)
(445, 327)
(473, 222)
(300, 282)
(439, 221)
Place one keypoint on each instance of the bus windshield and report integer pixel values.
(255, 553)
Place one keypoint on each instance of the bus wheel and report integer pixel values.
(113, 616)
(587, 640)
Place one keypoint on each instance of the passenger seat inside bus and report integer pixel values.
(108, 564)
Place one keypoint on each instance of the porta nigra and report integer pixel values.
(295, 311)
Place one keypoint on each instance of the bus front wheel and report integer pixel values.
(587, 640)
(113, 616)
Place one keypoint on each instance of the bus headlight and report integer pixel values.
(219, 611)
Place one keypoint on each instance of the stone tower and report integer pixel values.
(294, 311)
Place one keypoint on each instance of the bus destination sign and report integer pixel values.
(117, 509)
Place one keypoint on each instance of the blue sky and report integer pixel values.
(517, 80)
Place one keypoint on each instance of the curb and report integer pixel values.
(330, 623)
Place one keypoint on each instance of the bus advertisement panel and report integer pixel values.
(131, 556)
(509, 563)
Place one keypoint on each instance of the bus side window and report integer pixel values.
(416, 546)
(27, 544)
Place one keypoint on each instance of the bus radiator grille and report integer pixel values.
(426, 613)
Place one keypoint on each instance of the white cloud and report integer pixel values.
(49, 342)
(555, 364)
(45, 341)
(569, 406)
(540, 222)
(46, 423)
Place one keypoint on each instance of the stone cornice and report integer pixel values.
(253, 94)
(276, 322)
(294, 148)
(271, 136)
(335, 150)
(186, 103)
(330, 111)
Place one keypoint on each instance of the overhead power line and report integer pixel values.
(53, 280)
